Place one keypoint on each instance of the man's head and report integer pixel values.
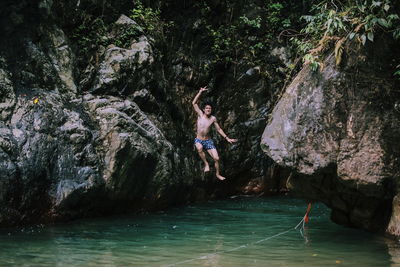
(207, 108)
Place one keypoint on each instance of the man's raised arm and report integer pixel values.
(196, 99)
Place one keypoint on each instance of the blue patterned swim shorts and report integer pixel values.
(207, 144)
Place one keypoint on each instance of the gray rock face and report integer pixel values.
(136, 154)
(124, 20)
(339, 144)
(62, 59)
(65, 155)
(117, 60)
(42, 158)
(7, 95)
(67, 152)
(302, 112)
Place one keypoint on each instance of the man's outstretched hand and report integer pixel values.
(202, 89)
(231, 141)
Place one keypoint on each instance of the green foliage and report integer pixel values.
(339, 21)
(274, 13)
(146, 17)
(126, 34)
(150, 21)
(88, 34)
(252, 23)
(93, 31)
(243, 31)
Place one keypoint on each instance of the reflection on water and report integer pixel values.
(394, 251)
(237, 232)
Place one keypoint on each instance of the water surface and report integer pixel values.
(235, 232)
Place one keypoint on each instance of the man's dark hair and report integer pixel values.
(206, 103)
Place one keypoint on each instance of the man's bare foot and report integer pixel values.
(220, 177)
(207, 168)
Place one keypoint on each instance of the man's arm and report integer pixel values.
(221, 132)
(196, 99)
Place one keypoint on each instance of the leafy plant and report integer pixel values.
(254, 23)
(150, 20)
(339, 21)
(147, 17)
(243, 30)
(88, 36)
(126, 34)
(275, 18)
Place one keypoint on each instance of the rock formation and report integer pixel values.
(113, 133)
(337, 132)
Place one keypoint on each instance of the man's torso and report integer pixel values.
(204, 125)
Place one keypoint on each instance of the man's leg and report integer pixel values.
(202, 155)
(214, 154)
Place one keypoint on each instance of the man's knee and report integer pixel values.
(199, 149)
(215, 158)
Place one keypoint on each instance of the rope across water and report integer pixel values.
(204, 257)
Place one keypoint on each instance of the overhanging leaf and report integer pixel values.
(370, 36)
(383, 22)
(339, 51)
(363, 39)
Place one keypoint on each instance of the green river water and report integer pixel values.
(235, 232)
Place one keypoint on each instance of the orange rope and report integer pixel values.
(306, 219)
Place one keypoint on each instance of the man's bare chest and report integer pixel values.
(204, 122)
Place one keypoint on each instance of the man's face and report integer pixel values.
(207, 110)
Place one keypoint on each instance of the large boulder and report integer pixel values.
(337, 132)
(41, 152)
(117, 61)
(123, 66)
(66, 158)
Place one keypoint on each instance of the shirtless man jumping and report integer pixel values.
(203, 141)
